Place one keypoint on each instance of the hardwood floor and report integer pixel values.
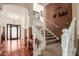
(21, 52)
(16, 49)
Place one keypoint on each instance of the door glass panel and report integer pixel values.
(14, 32)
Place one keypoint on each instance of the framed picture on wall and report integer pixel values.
(36, 14)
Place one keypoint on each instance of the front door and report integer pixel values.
(13, 37)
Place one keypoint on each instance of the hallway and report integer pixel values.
(15, 30)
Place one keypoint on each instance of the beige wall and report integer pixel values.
(75, 13)
(78, 19)
(29, 6)
(74, 9)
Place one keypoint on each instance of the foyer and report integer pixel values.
(39, 29)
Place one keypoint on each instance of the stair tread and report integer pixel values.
(51, 41)
(51, 38)
(49, 35)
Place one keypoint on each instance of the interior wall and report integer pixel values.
(74, 9)
(55, 25)
(4, 21)
(28, 6)
(39, 8)
(74, 14)
(77, 19)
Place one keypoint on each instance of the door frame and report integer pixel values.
(13, 25)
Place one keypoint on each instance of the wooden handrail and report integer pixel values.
(53, 24)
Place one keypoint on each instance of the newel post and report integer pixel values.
(64, 42)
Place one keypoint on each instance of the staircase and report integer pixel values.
(53, 47)
(50, 38)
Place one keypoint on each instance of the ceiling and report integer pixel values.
(44, 4)
(12, 11)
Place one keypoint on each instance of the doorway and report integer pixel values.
(13, 37)
(13, 32)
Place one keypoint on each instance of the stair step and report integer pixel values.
(49, 35)
(52, 41)
(50, 38)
